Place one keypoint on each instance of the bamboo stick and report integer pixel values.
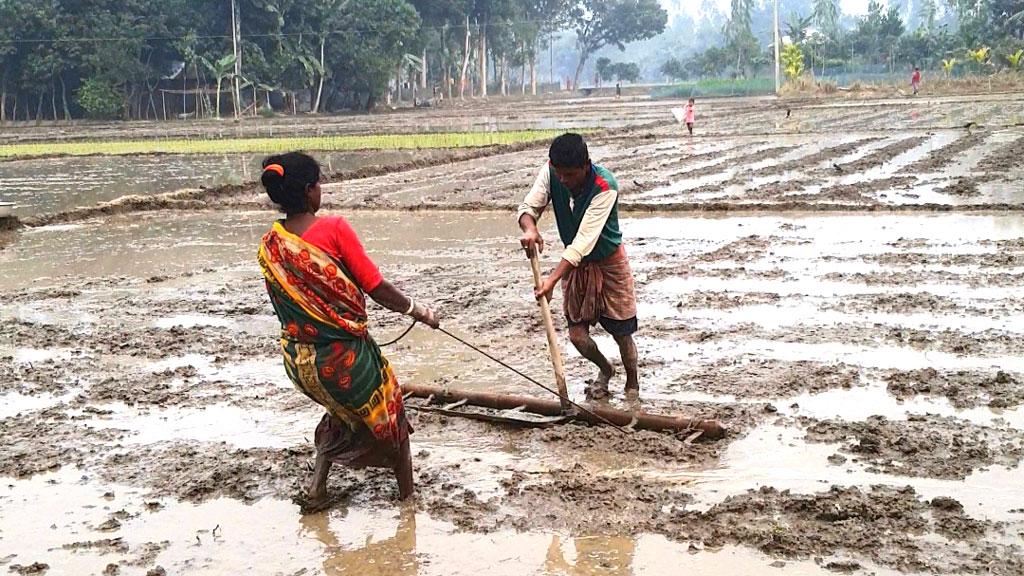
(549, 327)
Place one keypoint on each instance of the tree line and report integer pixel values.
(973, 35)
(134, 59)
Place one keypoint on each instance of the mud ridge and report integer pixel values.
(963, 389)
(881, 156)
(926, 446)
(946, 155)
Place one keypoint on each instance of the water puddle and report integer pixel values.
(76, 525)
(777, 456)
(240, 427)
(190, 321)
(14, 403)
(861, 402)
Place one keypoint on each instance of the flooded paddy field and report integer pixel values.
(864, 348)
(851, 401)
(715, 116)
(54, 185)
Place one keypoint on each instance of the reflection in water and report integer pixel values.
(395, 556)
(595, 555)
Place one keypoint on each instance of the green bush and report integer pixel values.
(99, 99)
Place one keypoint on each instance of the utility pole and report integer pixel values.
(236, 32)
(775, 24)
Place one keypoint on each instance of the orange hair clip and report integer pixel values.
(275, 168)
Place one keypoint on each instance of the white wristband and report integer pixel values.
(412, 305)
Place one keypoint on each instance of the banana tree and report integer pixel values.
(1014, 59)
(948, 65)
(313, 68)
(793, 61)
(979, 55)
(222, 69)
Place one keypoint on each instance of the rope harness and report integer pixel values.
(511, 368)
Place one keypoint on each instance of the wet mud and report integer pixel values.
(963, 389)
(871, 345)
(928, 446)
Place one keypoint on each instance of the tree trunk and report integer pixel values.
(579, 70)
(423, 72)
(323, 72)
(482, 53)
(39, 109)
(398, 84)
(53, 99)
(199, 102)
(236, 28)
(533, 74)
(504, 75)
(3, 101)
(219, 80)
(522, 73)
(64, 98)
(465, 64)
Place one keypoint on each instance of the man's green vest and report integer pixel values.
(569, 215)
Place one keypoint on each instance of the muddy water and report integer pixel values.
(53, 185)
(224, 536)
(844, 351)
(144, 452)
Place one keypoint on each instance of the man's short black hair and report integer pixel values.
(569, 151)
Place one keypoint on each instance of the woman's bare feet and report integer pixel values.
(316, 496)
(403, 472)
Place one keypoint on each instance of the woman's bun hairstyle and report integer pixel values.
(287, 177)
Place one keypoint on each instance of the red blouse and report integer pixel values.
(334, 235)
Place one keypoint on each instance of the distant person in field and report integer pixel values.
(597, 283)
(318, 276)
(915, 80)
(618, 89)
(691, 115)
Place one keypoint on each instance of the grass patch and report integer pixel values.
(717, 87)
(272, 145)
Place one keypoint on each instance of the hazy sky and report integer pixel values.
(678, 6)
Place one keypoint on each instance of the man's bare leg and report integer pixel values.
(403, 471)
(627, 351)
(579, 335)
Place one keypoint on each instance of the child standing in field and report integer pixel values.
(690, 112)
(915, 80)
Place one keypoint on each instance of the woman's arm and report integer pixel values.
(370, 280)
(389, 296)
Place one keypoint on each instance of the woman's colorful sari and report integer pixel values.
(328, 352)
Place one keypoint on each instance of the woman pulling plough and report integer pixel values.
(318, 274)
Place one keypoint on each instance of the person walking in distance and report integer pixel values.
(691, 115)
